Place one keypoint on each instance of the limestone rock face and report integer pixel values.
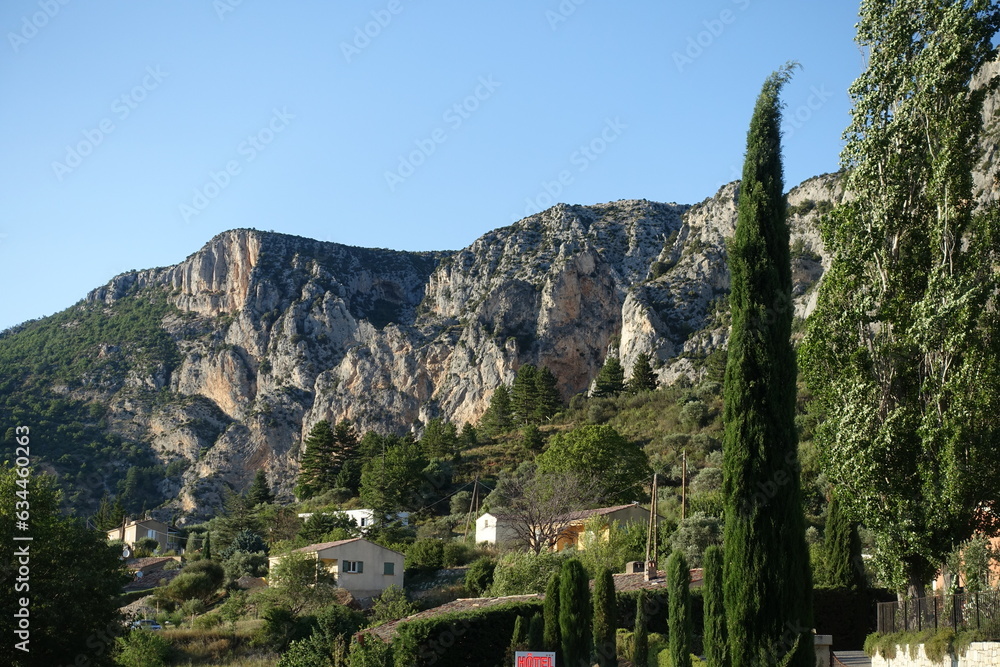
(276, 333)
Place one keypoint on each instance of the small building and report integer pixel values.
(362, 568)
(495, 529)
(133, 531)
(498, 529)
(365, 518)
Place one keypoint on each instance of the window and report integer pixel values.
(151, 533)
(389, 568)
(353, 566)
(364, 521)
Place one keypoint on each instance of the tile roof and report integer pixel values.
(312, 548)
(600, 511)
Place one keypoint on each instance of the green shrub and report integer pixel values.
(142, 648)
(520, 573)
(455, 554)
(425, 555)
(208, 621)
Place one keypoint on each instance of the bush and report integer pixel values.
(208, 621)
(520, 573)
(242, 564)
(425, 555)
(479, 576)
(391, 605)
(142, 648)
(455, 554)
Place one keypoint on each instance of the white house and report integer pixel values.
(364, 518)
(363, 568)
(495, 529)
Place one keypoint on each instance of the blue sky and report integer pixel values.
(132, 132)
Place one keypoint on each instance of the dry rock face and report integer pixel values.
(278, 332)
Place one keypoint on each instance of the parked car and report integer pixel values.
(145, 623)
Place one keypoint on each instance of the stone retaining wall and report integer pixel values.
(979, 654)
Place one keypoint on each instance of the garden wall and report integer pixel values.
(979, 654)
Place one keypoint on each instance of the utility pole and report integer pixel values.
(684, 480)
(652, 535)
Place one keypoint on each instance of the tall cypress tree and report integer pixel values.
(574, 613)
(605, 621)
(715, 637)
(640, 638)
(679, 612)
(844, 566)
(768, 588)
(550, 614)
(536, 633)
(206, 550)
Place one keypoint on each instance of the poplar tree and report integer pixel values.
(679, 609)
(550, 614)
(605, 621)
(844, 567)
(767, 580)
(574, 613)
(715, 637)
(902, 351)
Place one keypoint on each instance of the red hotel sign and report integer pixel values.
(534, 659)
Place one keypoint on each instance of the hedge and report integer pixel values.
(460, 638)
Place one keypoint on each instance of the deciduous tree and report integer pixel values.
(902, 351)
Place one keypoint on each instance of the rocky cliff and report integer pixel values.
(274, 333)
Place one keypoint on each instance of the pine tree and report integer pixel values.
(640, 638)
(345, 449)
(547, 399)
(574, 613)
(440, 439)
(611, 378)
(768, 591)
(550, 614)
(536, 633)
(715, 636)
(605, 621)
(902, 352)
(317, 461)
(259, 491)
(469, 437)
(109, 513)
(679, 612)
(499, 417)
(643, 378)
(524, 395)
(844, 566)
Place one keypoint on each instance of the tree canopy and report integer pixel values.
(620, 467)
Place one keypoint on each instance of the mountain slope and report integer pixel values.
(185, 379)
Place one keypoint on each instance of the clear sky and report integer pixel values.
(133, 132)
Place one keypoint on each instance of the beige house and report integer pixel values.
(133, 531)
(363, 568)
(498, 528)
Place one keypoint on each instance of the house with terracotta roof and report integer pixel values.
(363, 568)
(132, 531)
(498, 528)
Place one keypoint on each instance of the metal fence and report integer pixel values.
(964, 611)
